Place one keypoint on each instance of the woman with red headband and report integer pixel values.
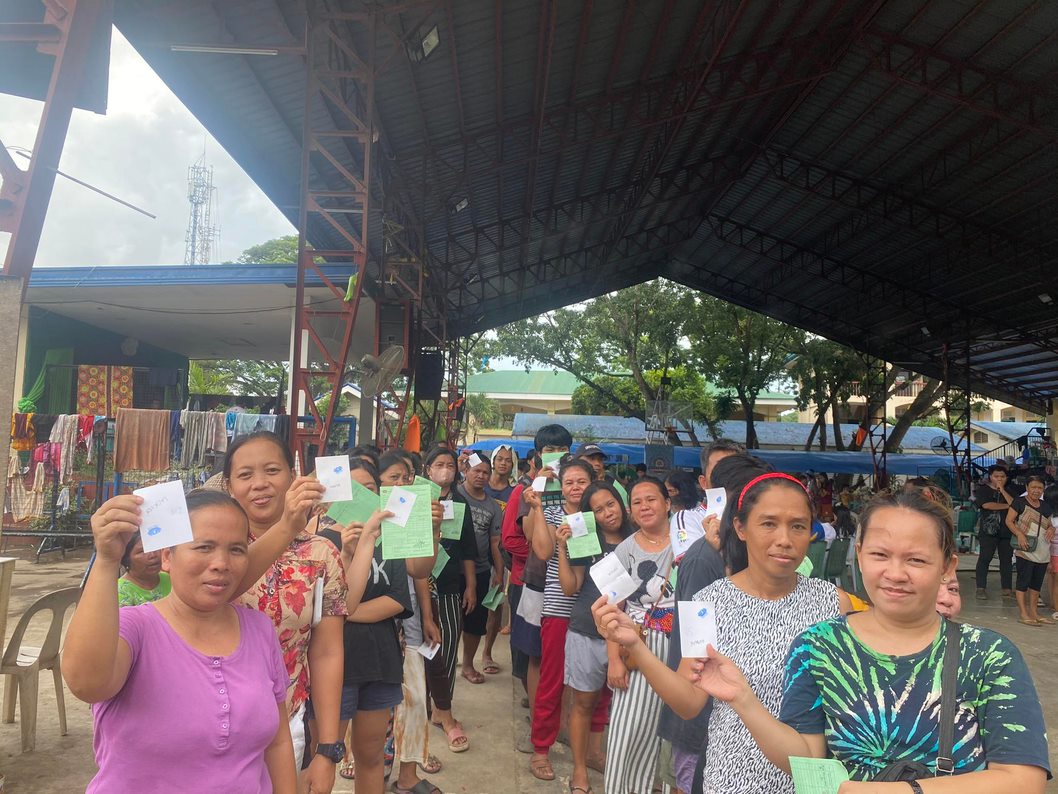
(760, 608)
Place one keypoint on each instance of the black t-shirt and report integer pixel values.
(985, 494)
(372, 650)
(700, 566)
(449, 581)
(580, 619)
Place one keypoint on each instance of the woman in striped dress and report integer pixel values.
(633, 745)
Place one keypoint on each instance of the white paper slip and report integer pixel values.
(449, 510)
(612, 579)
(697, 628)
(539, 484)
(715, 501)
(400, 504)
(164, 521)
(577, 525)
(333, 474)
(429, 651)
(475, 460)
(317, 602)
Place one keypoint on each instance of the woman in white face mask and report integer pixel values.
(454, 593)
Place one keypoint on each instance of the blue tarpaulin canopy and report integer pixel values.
(781, 459)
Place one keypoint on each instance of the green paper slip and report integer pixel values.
(805, 568)
(817, 775)
(358, 510)
(415, 538)
(435, 490)
(442, 561)
(586, 545)
(622, 491)
(452, 528)
(551, 457)
(493, 598)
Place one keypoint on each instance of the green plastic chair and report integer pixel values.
(834, 570)
(817, 553)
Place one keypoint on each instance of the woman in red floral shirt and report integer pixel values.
(258, 470)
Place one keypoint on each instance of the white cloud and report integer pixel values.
(139, 151)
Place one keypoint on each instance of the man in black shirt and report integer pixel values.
(993, 500)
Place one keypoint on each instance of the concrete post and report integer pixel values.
(10, 314)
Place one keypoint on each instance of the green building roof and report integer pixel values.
(518, 381)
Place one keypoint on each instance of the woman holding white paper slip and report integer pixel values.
(632, 745)
(188, 693)
(586, 661)
(258, 470)
(574, 477)
(371, 686)
(755, 613)
(868, 689)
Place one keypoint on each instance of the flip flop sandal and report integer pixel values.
(473, 677)
(432, 766)
(1045, 621)
(457, 733)
(491, 668)
(542, 769)
(573, 789)
(347, 770)
(422, 787)
(1034, 623)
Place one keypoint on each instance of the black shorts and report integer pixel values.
(474, 623)
(519, 660)
(1030, 574)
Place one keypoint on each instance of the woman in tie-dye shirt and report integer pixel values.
(866, 688)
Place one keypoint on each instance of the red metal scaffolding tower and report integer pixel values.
(349, 190)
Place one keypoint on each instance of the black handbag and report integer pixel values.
(902, 771)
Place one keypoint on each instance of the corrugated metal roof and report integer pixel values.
(616, 142)
(792, 435)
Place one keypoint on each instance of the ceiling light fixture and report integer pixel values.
(1044, 297)
(428, 43)
(222, 50)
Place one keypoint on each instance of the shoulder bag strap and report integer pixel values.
(949, 695)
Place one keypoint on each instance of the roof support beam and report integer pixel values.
(961, 82)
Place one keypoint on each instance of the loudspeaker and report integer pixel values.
(429, 375)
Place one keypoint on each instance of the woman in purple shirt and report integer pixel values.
(188, 693)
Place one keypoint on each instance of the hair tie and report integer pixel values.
(771, 475)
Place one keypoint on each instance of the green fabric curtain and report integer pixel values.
(58, 387)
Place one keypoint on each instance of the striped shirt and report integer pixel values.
(556, 603)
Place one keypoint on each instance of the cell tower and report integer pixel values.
(198, 243)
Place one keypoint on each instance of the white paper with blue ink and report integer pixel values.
(697, 628)
(400, 503)
(164, 520)
(715, 502)
(612, 579)
(333, 474)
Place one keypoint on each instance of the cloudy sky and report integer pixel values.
(139, 151)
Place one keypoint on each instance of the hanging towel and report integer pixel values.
(62, 504)
(20, 502)
(252, 423)
(216, 432)
(23, 432)
(64, 433)
(141, 440)
(27, 504)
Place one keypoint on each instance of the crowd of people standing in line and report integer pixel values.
(260, 698)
